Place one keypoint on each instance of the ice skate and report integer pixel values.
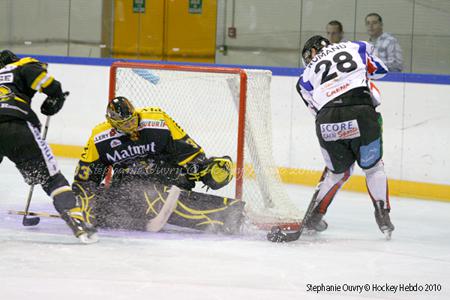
(383, 219)
(316, 223)
(85, 232)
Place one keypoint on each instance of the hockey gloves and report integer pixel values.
(214, 172)
(52, 105)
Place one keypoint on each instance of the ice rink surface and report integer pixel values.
(47, 262)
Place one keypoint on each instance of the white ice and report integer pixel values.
(46, 262)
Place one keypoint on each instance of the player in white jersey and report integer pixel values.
(336, 86)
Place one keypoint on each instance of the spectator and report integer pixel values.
(335, 32)
(386, 46)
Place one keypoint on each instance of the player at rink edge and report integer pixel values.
(20, 133)
(336, 86)
(155, 167)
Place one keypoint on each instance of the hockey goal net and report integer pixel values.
(227, 112)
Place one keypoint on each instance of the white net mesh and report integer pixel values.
(206, 106)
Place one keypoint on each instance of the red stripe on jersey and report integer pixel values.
(371, 68)
(373, 86)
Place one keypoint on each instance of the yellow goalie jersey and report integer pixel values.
(161, 142)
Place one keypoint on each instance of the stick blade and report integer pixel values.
(30, 221)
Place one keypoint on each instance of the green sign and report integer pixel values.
(195, 6)
(139, 6)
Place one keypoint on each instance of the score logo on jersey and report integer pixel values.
(340, 131)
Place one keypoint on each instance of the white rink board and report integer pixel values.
(416, 122)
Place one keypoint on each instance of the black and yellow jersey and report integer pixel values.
(160, 139)
(19, 81)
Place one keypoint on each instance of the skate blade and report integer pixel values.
(388, 234)
(85, 239)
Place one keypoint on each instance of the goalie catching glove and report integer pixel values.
(214, 172)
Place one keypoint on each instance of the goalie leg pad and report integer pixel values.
(134, 206)
(87, 194)
(208, 212)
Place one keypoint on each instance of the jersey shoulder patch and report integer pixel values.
(152, 117)
(104, 131)
(157, 114)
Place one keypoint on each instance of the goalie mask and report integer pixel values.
(316, 42)
(121, 114)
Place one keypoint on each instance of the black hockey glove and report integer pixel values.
(52, 105)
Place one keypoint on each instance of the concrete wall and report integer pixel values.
(52, 27)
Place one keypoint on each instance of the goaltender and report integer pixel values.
(155, 166)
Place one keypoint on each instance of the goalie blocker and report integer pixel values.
(134, 205)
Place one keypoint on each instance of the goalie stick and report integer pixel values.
(277, 235)
(158, 222)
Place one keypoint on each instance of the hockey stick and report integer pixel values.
(277, 235)
(33, 221)
(31, 213)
